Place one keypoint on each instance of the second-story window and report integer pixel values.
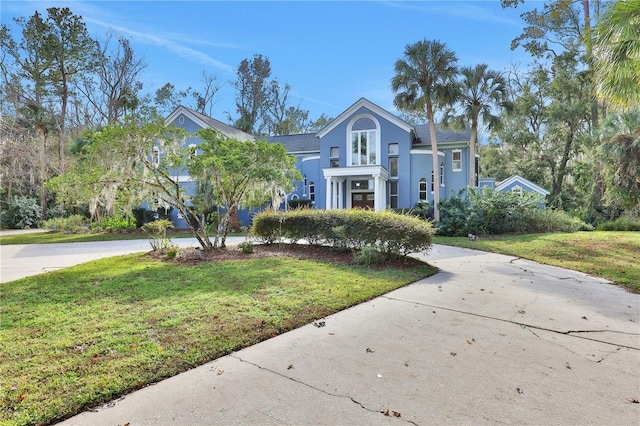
(334, 156)
(155, 160)
(364, 142)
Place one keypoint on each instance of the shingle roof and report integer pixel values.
(304, 142)
(442, 134)
(225, 129)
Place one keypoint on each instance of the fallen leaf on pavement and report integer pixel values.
(290, 367)
(519, 391)
(634, 400)
(370, 351)
(395, 413)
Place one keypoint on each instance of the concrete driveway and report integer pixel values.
(19, 261)
(490, 339)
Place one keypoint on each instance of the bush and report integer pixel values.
(71, 224)
(299, 203)
(115, 223)
(22, 213)
(488, 211)
(54, 212)
(143, 216)
(246, 247)
(157, 234)
(390, 233)
(620, 224)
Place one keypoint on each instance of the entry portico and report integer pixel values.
(359, 186)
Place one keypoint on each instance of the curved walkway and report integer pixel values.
(490, 339)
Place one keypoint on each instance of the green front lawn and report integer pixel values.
(57, 237)
(75, 338)
(611, 255)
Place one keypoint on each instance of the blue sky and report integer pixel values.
(331, 53)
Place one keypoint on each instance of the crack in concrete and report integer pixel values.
(570, 333)
(361, 405)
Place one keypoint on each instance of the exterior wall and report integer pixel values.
(414, 161)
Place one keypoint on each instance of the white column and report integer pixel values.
(380, 193)
(340, 192)
(329, 194)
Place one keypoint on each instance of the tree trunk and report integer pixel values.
(472, 152)
(562, 167)
(436, 166)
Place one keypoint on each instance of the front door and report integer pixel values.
(363, 200)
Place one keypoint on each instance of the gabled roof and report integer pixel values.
(305, 142)
(362, 102)
(208, 123)
(522, 182)
(443, 134)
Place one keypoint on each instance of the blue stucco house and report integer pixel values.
(366, 157)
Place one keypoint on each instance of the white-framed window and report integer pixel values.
(442, 174)
(155, 159)
(312, 192)
(433, 177)
(304, 185)
(334, 156)
(364, 142)
(294, 197)
(456, 160)
(393, 167)
(422, 189)
(393, 149)
(393, 195)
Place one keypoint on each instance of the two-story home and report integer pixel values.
(366, 157)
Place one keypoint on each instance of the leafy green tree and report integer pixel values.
(241, 173)
(481, 92)
(115, 171)
(617, 54)
(253, 94)
(619, 158)
(425, 82)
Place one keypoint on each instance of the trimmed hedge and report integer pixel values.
(392, 234)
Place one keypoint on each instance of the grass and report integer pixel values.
(611, 255)
(57, 237)
(76, 338)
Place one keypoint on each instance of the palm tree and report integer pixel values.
(425, 82)
(481, 89)
(617, 54)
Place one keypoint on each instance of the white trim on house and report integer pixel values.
(377, 131)
(312, 157)
(207, 123)
(425, 152)
(523, 183)
(338, 187)
(362, 102)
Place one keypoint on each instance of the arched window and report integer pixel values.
(422, 189)
(364, 142)
(312, 191)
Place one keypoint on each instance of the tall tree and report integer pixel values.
(25, 70)
(72, 52)
(114, 89)
(242, 174)
(283, 118)
(481, 91)
(253, 93)
(617, 54)
(167, 98)
(425, 82)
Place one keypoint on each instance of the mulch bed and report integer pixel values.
(191, 256)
